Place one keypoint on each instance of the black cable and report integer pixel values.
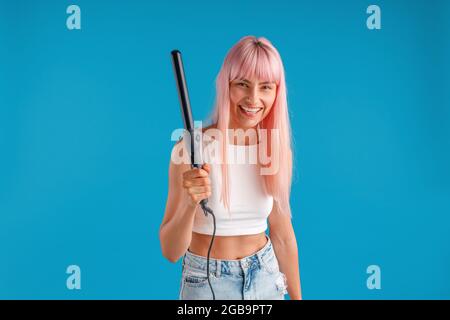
(207, 210)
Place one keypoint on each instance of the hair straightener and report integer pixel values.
(194, 137)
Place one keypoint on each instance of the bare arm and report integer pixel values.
(183, 196)
(285, 246)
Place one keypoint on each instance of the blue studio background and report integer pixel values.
(86, 118)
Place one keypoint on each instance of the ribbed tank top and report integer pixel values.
(250, 205)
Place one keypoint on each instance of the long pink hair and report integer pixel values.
(257, 58)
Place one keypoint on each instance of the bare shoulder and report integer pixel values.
(213, 126)
(205, 130)
(180, 157)
(210, 133)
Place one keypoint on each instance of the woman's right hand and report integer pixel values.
(197, 183)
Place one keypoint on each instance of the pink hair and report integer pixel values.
(257, 58)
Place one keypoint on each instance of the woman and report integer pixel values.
(245, 263)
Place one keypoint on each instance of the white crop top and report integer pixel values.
(249, 204)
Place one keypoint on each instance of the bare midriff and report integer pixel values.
(227, 247)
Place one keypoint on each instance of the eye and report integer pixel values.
(242, 84)
(266, 87)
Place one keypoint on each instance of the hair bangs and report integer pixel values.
(256, 63)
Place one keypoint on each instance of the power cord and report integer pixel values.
(207, 210)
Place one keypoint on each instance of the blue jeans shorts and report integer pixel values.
(256, 277)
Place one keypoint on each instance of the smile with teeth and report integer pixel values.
(250, 110)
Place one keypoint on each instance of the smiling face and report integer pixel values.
(250, 102)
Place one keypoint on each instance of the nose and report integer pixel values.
(253, 96)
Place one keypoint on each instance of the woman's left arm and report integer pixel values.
(285, 245)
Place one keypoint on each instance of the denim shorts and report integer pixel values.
(256, 277)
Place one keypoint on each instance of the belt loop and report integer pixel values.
(269, 242)
(263, 251)
(182, 261)
(259, 255)
(218, 268)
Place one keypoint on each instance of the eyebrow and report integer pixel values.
(266, 82)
